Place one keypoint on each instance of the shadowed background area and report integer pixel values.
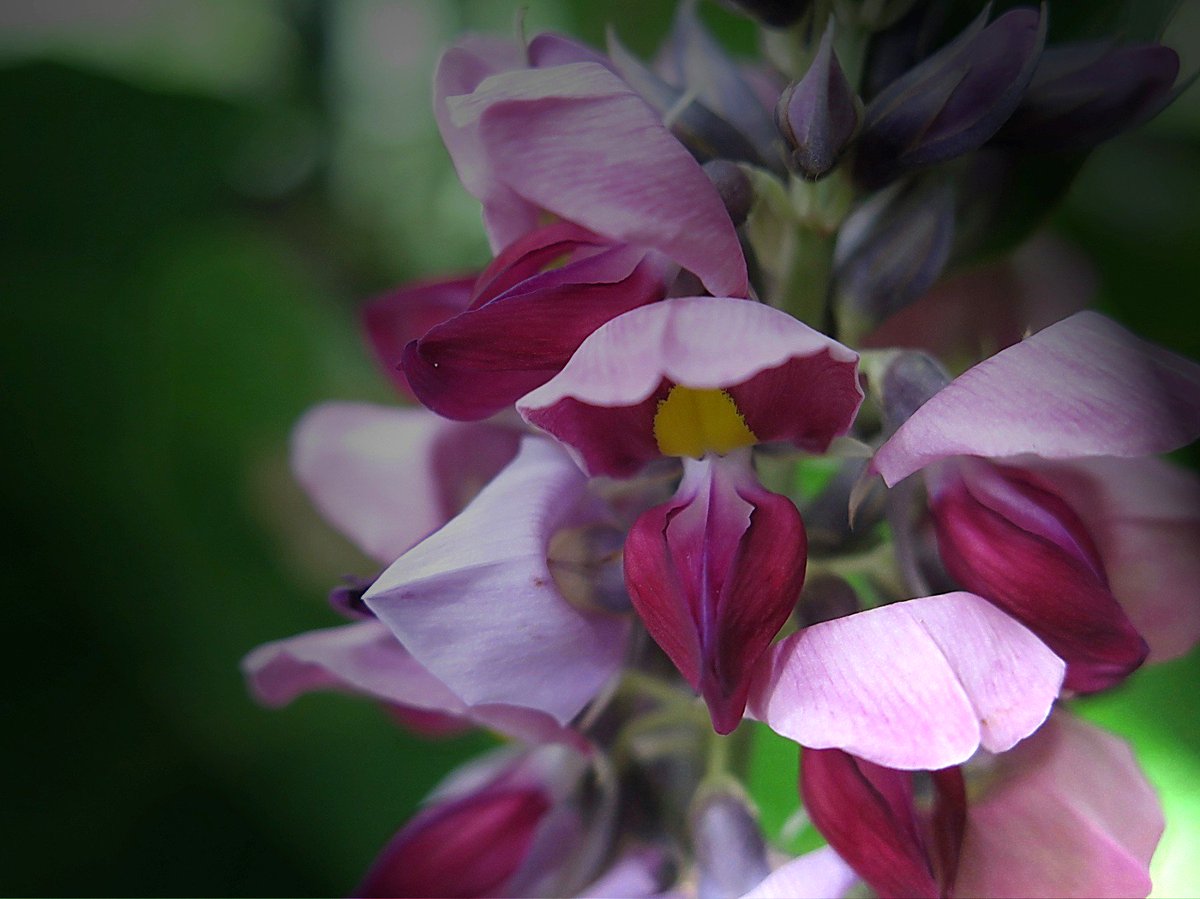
(198, 194)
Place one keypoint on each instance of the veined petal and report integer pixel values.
(714, 574)
(365, 658)
(1003, 535)
(820, 874)
(1082, 387)
(576, 141)
(387, 477)
(480, 361)
(917, 684)
(1067, 813)
(1144, 515)
(477, 605)
(392, 320)
(788, 381)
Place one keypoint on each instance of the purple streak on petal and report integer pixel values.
(1083, 94)
(477, 605)
(1145, 517)
(1068, 813)
(866, 812)
(789, 381)
(714, 574)
(575, 140)
(820, 874)
(479, 362)
(952, 102)
(392, 320)
(1082, 387)
(460, 71)
(917, 684)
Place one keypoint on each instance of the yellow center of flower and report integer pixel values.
(691, 422)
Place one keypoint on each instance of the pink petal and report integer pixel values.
(788, 381)
(459, 72)
(1068, 813)
(477, 605)
(576, 141)
(392, 320)
(372, 471)
(917, 684)
(820, 874)
(714, 574)
(635, 874)
(1144, 515)
(481, 361)
(365, 658)
(1082, 387)
(1003, 535)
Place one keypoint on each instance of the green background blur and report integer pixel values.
(196, 196)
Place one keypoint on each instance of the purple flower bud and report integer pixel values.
(954, 101)
(908, 383)
(731, 854)
(819, 114)
(776, 13)
(737, 193)
(825, 598)
(891, 250)
(1083, 94)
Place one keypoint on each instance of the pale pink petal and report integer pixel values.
(577, 141)
(460, 70)
(1144, 516)
(386, 477)
(788, 381)
(917, 684)
(1068, 813)
(820, 874)
(1082, 387)
(365, 658)
(635, 874)
(477, 605)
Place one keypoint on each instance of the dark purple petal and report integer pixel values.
(392, 320)
(481, 361)
(1083, 94)
(714, 574)
(819, 113)
(1004, 535)
(954, 101)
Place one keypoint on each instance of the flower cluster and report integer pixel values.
(675, 473)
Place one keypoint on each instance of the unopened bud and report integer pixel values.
(908, 383)
(825, 598)
(733, 186)
(890, 251)
(819, 114)
(1083, 94)
(954, 101)
(731, 854)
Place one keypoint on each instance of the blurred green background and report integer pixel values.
(197, 195)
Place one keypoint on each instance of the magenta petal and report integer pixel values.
(1068, 813)
(1145, 517)
(866, 813)
(1082, 387)
(820, 874)
(575, 140)
(481, 361)
(1003, 535)
(477, 605)
(387, 477)
(789, 382)
(714, 574)
(917, 684)
(395, 318)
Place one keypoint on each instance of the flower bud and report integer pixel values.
(737, 193)
(819, 114)
(731, 854)
(954, 101)
(1083, 94)
(908, 383)
(890, 251)
(826, 597)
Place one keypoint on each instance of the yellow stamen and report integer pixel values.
(691, 422)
